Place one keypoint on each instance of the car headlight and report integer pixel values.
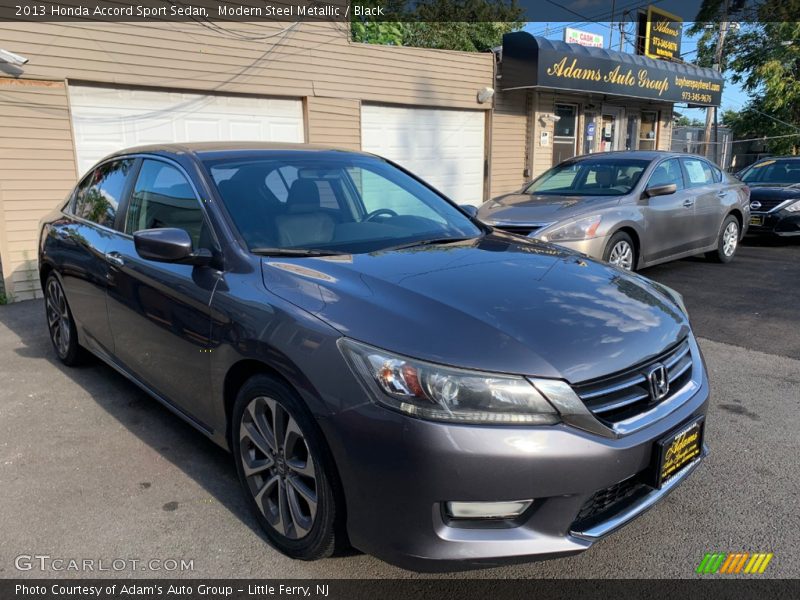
(795, 207)
(441, 393)
(581, 229)
(676, 296)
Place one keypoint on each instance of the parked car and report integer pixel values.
(386, 370)
(633, 209)
(774, 196)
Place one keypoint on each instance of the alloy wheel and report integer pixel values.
(730, 239)
(278, 467)
(58, 319)
(621, 255)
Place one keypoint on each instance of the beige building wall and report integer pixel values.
(37, 170)
(313, 61)
(308, 59)
(333, 122)
(509, 139)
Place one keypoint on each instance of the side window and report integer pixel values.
(717, 174)
(99, 194)
(163, 197)
(698, 172)
(667, 172)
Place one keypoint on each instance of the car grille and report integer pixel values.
(524, 230)
(767, 204)
(626, 394)
(608, 501)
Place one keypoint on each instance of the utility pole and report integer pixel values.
(711, 111)
(611, 28)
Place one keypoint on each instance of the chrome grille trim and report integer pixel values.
(622, 401)
(614, 388)
(575, 412)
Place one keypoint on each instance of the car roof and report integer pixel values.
(217, 150)
(636, 154)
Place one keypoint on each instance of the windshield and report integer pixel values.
(332, 202)
(589, 177)
(773, 171)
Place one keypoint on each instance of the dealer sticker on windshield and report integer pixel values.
(678, 450)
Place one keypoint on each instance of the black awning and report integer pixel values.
(536, 62)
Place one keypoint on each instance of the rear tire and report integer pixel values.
(621, 252)
(727, 241)
(61, 325)
(284, 469)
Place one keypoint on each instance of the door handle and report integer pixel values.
(721, 193)
(115, 258)
(688, 203)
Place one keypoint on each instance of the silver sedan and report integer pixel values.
(632, 209)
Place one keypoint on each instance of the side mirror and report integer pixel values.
(472, 211)
(170, 245)
(661, 190)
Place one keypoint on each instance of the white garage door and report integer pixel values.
(108, 119)
(444, 147)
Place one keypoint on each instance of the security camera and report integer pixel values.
(545, 119)
(10, 57)
(485, 95)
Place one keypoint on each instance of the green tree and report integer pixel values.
(468, 25)
(684, 121)
(754, 121)
(763, 55)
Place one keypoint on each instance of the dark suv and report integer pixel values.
(386, 370)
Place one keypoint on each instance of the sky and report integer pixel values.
(733, 97)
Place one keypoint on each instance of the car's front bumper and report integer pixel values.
(398, 472)
(781, 223)
(594, 247)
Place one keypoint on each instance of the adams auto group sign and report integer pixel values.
(534, 62)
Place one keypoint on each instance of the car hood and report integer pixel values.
(497, 304)
(524, 208)
(773, 191)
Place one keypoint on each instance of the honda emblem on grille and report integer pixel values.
(658, 379)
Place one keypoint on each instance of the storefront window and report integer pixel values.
(648, 130)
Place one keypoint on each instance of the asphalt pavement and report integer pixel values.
(91, 468)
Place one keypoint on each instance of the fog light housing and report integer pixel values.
(487, 510)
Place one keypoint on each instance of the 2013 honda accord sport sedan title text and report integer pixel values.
(387, 371)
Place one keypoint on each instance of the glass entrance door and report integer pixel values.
(564, 135)
(611, 128)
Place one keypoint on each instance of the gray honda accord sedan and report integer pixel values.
(632, 209)
(386, 371)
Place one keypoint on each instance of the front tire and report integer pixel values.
(727, 242)
(282, 467)
(61, 325)
(621, 252)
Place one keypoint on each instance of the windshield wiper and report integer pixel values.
(294, 252)
(447, 240)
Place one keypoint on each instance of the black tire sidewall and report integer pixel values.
(321, 541)
(74, 355)
(618, 237)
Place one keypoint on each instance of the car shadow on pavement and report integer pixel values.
(176, 441)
